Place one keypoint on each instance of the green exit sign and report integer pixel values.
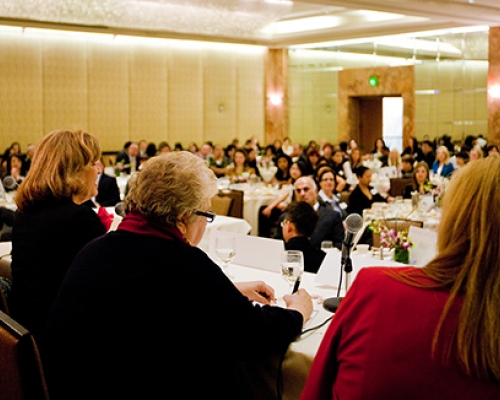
(373, 81)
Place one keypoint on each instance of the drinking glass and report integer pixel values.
(225, 249)
(292, 266)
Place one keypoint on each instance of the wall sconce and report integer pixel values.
(221, 107)
(328, 109)
(275, 99)
(494, 91)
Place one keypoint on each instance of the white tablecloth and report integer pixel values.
(223, 223)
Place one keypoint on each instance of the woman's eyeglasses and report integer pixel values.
(209, 215)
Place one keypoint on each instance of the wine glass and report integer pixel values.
(292, 266)
(225, 249)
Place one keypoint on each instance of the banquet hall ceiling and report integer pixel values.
(263, 22)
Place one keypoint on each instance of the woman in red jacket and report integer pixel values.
(431, 332)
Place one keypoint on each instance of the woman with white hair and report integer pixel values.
(144, 313)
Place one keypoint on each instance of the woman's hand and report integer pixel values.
(257, 291)
(300, 301)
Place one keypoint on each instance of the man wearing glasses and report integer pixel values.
(329, 226)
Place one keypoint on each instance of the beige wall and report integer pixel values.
(123, 90)
(458, 109)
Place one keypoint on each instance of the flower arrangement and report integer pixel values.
(393, 239)
(120, 167)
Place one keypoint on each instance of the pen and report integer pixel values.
(296, 285)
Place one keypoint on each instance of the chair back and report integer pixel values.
(398, 186)
(236, 209)
(4, 307)
(21, 372)
(221, 204)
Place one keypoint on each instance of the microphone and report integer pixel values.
(10, 183)
(354, 222)
(120, 209)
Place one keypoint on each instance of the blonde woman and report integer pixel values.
(52, 224)
(442, 166)
(425, 333)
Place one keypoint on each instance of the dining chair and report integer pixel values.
(236, 209)
(21, 372)
(398, 186)
(4, 307)
(5, 269)
(221, 204)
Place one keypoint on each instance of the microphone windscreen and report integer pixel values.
(354, 222)
(10, 183)
(120, 209)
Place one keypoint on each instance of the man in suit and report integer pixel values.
(329, 226)
(129, 158)
(297, 227)
(108, 193)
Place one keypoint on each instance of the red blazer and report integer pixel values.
(378, 346)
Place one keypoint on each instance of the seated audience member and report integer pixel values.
(108, 193)
(269, 215)
(14, 148)
(14, 171)
(424, 333)
(429, 156)
(113, 320)
(28, 157)
(297, 227)
(239, 167)
(217, 162)
(407, 162)
(413, 149)
(51, 224)
(129, 158)
(462, 158)
(421, 182)
(282, 176)
(475, 153)
(325, 179)
(442, 166)
(362, 197)
(329, 226)
(395, 159)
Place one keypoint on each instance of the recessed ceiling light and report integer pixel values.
(302, 24)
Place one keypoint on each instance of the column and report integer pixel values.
(493, 86)
(276, 95)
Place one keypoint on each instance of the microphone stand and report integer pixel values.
(331, 304)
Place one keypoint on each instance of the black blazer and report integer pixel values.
(108, 192)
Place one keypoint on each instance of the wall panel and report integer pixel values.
(21, 91)
(219, 96)
(250, 96)
(64, 82)
(185, 95)
(108, 85)
(149, 92)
